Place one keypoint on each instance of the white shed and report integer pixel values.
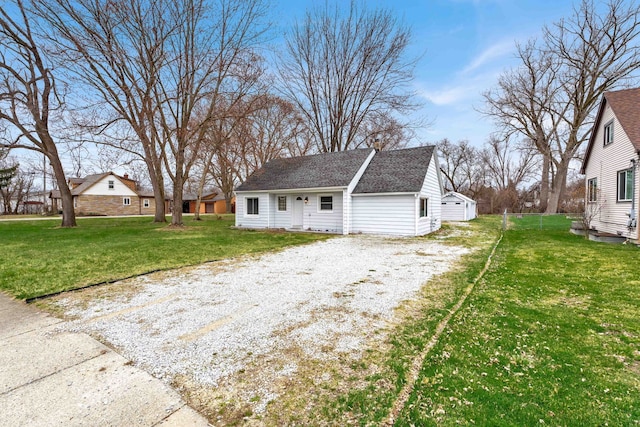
(458, 207)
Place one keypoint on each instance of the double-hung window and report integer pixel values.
(424, 207)
(608, 133)
(282, 203)
(625, 185)
(252, 206)
(592, 190)
(326, 203)
(111, 184)
(126, 201)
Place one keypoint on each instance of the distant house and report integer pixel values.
(610, 165)
(458, 207)
(396, 192)
(212, 202)
(107, 194)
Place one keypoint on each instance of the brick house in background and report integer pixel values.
(107, 194)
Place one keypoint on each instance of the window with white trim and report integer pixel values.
(126, 201)
(325, 203)
(424, 207)
(608, 133)
(112, 184)
(282, 203)
(252, 206)
(625, 185)
(592, 190)
(145, 203)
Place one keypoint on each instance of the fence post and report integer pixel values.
(504, 220)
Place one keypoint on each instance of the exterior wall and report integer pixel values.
(151, 210)
(430, 188)
(453, 209)
(347, 198)
(604, 164)
(384, 214)
(269, 217)
(456, 208)
(253, 221)
(315, 220)
(281, 219)
(106, 205)
(102, 188)
(220, 206)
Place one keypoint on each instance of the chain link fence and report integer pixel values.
(538, 221)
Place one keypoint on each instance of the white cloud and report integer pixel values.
(446, 96)
(493, 52)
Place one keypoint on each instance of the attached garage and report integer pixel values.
(458, 207)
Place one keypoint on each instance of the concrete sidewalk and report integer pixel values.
(52, 378)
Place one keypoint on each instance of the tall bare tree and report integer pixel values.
(28, 95)
(551, 98)
(344, 65)
(159, 65)
(460, 165)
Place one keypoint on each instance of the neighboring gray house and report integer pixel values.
(458, 207)
(396, 192)
(610, 165)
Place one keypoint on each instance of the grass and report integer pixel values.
(40, 258)
(549, 336)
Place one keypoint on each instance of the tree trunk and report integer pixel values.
(544, 183)
(178, 183)
(559, 186)
(157, 183)
(228, 197)
(68, 212)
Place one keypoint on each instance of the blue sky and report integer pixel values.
(465, 44)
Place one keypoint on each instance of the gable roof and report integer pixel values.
(87, 182)
(317, 171)
(626, 107)
(396, 171)
(459, 196)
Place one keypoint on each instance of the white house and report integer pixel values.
(396, 192)
(610, 165)
(458, 207)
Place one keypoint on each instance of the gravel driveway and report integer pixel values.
(208, 323)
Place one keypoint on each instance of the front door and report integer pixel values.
(297, 214)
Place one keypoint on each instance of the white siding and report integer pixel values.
(431, 189)
(384, 214)
(281, 219)
(317, 220)
(252, 221)
(453, 209)
(604, 164)
(101, 188)
(456, 208)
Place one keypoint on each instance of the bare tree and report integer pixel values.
(159, 66)
(521, 105)
(343, 66)
(460, 165)
(383, 131)
(508, 168)
(551, 98)
(29, 96)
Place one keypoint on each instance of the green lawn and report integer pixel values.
(39, 257)
(549, 336)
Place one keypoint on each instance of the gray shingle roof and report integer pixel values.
(317, 171)
(396, 171)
